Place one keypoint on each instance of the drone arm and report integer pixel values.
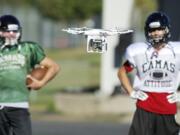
(71, 31)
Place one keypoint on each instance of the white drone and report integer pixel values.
(96, 38)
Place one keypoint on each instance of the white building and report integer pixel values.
(116, 13)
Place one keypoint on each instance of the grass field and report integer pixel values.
(78, 70)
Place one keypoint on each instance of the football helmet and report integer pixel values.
(9, 23)
(157, 20)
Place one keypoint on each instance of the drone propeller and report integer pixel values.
(124, 31)
(73, 31)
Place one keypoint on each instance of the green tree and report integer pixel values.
(61, 10)
(15, 2)
(66, 10)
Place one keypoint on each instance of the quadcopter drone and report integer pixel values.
(96, 38)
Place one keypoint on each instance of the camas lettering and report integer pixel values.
(158, 64)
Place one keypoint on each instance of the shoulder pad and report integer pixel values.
(30, 43)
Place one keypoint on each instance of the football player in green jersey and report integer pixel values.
(17, 58)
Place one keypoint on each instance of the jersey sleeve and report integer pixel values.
(37, 54)
(128, 67)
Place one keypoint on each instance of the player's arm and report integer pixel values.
(123, 76)
(52, 70)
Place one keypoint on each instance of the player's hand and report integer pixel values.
(138, 94)
(35, 84)
(173, 97)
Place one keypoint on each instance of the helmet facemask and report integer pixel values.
(10, 30)
(160, 38)
(11, 40)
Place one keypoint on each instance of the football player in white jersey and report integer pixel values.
(157, 65)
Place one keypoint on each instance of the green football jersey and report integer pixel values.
(15, 63)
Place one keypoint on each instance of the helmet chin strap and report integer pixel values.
(11, 41)
(157, 42)
(157, 39)
(159, 45)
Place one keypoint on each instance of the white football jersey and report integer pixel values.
(157, 71)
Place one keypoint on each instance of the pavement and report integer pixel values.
(78, 128)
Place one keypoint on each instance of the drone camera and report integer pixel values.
(96, 46)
